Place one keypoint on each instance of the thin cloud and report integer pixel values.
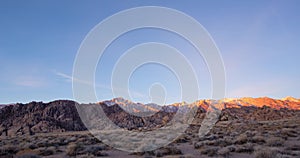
(65, 76)
(69, 78)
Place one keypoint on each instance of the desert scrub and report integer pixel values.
(44, 151)
(258, 139)
(250, 133)
(28, 156)
(246, 148)
(231, 148)
(241, 139)
(289, 132)
(294, 147)
(74, 149)
(224, 151)
(275, 141)
(198, 145)
(95, 150)
(7, 150)
(27, 151)
(178, 156)
(210, 151)
(265, 153)
(42, 143)
(225, 142)
(182, 139)
(169, 150)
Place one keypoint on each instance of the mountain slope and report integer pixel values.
(36, 117)
(61, 115)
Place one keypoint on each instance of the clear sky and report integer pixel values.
(258, 40)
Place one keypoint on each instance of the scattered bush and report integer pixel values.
(246, 148)
(41, 144)
(258, 139)
(265, 153)
(95, 150)
(167, 151)
(28, 156)
(231, 148)
(26, 152)
(294, 147)
(289, 132)
(47, 151)
(32, 146)
(74, 149)
(209, 151)
(7, 151)
(198, 145)
(250, 133)
(224, 151)
(275, 141)
(182, 139)
(241, 139)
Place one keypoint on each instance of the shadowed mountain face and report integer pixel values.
(38, 117)
(61, 115)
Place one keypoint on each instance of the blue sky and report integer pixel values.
(258, 40)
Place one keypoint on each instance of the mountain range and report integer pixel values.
(62, 115)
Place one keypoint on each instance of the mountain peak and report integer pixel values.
(134, 108)
(289, 98)
(121, 100)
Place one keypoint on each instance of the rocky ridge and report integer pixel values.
(61, 115)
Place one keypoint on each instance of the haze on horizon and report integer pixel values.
(258, 40)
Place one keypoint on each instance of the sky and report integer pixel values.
(259, 42)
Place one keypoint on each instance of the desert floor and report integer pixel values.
(260, 139)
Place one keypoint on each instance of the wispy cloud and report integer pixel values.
(65, 76)
(69, 78)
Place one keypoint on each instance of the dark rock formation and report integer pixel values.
(38, 117)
